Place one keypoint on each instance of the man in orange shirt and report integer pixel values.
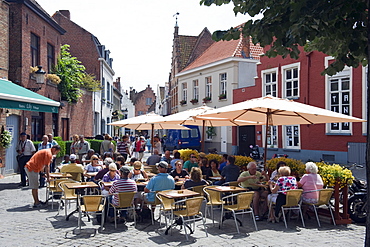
(40, 160)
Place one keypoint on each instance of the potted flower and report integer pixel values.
(53, 78)
(206, 99)
(5, 138)
(194, 101)
(183, 102)
(222, 96)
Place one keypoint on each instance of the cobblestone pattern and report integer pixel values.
(23, 226)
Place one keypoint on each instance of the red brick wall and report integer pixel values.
(312, 91)
(81, 44)
(22, 22)
(140, 103)
(80, 116)
(4, 39)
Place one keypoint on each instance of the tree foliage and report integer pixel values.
(337, 28)
(90, 84)
(71, 72)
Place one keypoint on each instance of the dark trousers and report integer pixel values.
(22, 161)
(280, 201)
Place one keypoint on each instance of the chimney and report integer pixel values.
(66, 13)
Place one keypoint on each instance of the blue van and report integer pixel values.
(181, 139)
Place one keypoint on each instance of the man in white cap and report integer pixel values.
(162, 181)
(76, 170)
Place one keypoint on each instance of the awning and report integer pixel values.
(13, 96)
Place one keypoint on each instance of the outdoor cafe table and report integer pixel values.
(229, 189)
(78, 187)
(60, 175)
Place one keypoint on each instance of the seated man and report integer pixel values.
(192, 162)
(124, 184)
(231, 171)
(162, 181)
(76, 170)
(167, 157)
(153, 159)
(250, 180)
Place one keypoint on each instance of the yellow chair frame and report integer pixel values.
(68, 195)
(126, 203)
(293, 202)
(242, 206)
(92, 204)
(214, 199)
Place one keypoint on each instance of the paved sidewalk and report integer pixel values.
(23, 226)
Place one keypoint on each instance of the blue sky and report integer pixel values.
(139, 33)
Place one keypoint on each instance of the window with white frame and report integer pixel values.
(270, 82)
(184, 91)
(290, 80)
(272, 136)
(291, 136)
(339, 101)
(209, 87)
(223, 84)
(196, 89)
(148, 101)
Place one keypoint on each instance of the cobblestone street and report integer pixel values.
(24, 226)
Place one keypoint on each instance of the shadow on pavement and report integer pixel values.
(9, 186)
(21, 209)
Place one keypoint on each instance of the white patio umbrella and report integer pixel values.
(271, 110)
(189, 117)
(148, 121)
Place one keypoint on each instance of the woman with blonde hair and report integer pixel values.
(284, 183)
(74, 145)
(195, 179)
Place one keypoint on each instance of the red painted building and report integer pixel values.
(301, 80)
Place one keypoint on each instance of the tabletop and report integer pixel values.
(227, 189)
(91, 174)
(60, 175)
(82, 185)
(172, 194)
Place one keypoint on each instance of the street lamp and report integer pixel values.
(40, 75)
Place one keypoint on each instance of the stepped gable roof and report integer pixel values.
(186, 45)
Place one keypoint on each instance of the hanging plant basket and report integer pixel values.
(5, 138)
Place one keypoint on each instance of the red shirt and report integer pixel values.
(39, 160)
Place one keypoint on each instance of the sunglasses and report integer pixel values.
(192, 157)
(137, 169)
(112, 170)
(95, 159)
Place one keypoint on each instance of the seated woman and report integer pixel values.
(195, 179)
(178, 172)
(94, 166)
(311, 182)
(282, 185)
(110, 176)
(213, 172)
(137, 173)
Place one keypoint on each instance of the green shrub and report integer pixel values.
(217, 157)
(185, 153)
(296, 166)
(68, 146)
(242, 160)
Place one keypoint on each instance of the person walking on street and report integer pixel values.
(82, 147)
(122, 147)
(25, 150)
(39, 161)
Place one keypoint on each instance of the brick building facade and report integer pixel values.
(142, 100)
(97, 106)
(301, 80)
(34, 39)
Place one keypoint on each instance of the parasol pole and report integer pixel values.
(266, 131)
(203, 131)
(152, 139)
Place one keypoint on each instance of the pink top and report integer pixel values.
(311, 182)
